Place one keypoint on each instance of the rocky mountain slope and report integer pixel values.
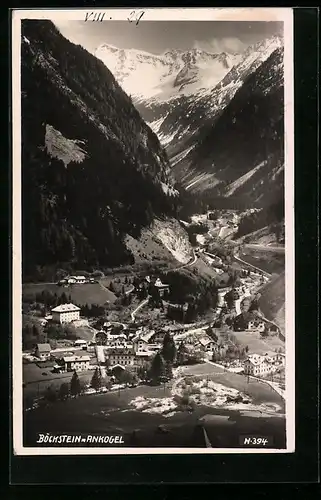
(178, 120)
(200, 104)
(242, 152)
(167, 75)
(93, 172)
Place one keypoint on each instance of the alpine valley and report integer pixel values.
(219, 116)
(153, 283)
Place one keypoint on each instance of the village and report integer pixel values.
(122, 354)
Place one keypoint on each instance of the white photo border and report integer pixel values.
(284, 15)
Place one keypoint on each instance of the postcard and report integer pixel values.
(153, 231)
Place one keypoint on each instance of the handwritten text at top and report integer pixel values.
(134, 16)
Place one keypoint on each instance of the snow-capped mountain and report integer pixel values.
(177, 121)
(241, 151)
(175, 72)
(192, 99)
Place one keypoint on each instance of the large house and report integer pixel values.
(65, 313)
(248, 321)
(156, 284)
(207, 344)
(259, 365)
(77, 280)
(256, 324)
(142, 356)
(83, 344)
(256, 365)
(140, 344)
(78, 363)
(123, 357)
(277, 359)
(43, 351)
(162, 288)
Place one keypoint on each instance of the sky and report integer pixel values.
(158, 36)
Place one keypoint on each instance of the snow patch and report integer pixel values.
(169, 190)
(243, 179)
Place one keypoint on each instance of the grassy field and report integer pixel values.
(256, 343)
(272, 300)
(90, 293)
(36, 383)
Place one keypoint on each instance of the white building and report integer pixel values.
(77, 279)
(122, 357)
(161, 287)
(256, 325)
(139, 344)
(256, 365)
(259, 365)
(81, 343)
(279, 357)
(78, 363)
(43, 351)
(207, 343)
(65, 313)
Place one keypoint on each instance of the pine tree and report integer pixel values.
(75, 388)
(96, 380)
(168, 370)
(169, 349)
(63, 392)
(35, 331)
(182, 355)
(157, 370)
(50, 395)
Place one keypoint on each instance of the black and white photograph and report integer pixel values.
(153, 234)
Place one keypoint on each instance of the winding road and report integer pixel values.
(237, 258)
(264, 248)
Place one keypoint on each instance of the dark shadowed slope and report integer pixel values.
(93, 171)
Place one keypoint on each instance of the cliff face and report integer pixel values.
(242, 153)
(93, 171)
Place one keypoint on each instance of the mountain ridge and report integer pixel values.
(161, 71)
(86, 154)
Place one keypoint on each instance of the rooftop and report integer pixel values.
(75, 358)
(147, 336)
(43, 347)
(256, 359)
(65, 308)
(205, 341)
(159, 283)
(122, 351)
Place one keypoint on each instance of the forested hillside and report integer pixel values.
(92, 170)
